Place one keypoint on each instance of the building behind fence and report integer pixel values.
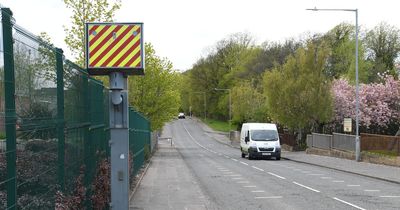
(55, 118)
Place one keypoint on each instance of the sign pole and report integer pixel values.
(116, 50)
(119, 124)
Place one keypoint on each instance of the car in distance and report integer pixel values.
(181, 115)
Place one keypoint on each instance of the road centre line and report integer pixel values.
(258, 191)
(353, 185)
(338, 181)
(234, 159)
(315, 174)
(309, 188)
(257, 168)
(268, 197)
(233, 175)
(243, 182)
(280, 177)
(350, 204)
(389, 196)
(326, 177)
(371, 190)
(244, 163)
(250, 186)
(227, 156)
(237, 178)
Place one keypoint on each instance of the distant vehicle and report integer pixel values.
(181, 115)
(260, 140)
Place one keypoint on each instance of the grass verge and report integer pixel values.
(217, 125)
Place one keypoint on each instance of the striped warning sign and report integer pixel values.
(114, 46)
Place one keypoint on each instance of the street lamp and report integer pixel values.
(230, 108)
(357, 86)
(205, 103)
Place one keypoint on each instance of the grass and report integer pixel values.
(383, 152)
(218, 125)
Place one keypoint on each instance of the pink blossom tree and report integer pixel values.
(379, 104)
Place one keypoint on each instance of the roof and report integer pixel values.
(254, 126)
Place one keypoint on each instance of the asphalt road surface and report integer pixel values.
(232, 182)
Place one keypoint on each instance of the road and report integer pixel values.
(230, 182)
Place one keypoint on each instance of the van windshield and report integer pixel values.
(264, 135)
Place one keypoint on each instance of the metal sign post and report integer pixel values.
(119, 141)
(117, 50)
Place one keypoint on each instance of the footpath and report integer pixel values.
(168, 183)
(376, 171)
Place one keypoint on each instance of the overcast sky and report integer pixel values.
(183, 30)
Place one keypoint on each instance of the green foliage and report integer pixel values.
(248, 103)
(157, 94)
(86, 11)
(298, 93)
(383, 48)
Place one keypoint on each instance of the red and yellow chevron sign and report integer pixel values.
(113, 46)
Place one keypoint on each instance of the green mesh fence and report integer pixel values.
(139, 141)
(54, 128)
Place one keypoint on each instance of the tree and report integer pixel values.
(383, 48)
(157, 94)
(298, 92)
(379, 108)
(84, 11)
(247, 103)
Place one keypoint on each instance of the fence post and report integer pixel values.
(10, 115)
(60, 116)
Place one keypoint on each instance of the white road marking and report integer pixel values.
(306, 172)
(244, 163)
(257, 168)
(389, 196)
(315, 174)
(233, 175)
(226, 156)
(258, 191)
(234, 159)
(309, 188)
(237, 178)
(338, 181)
(280, 177)
(326, 177)
(350, 204)
(269, 197)
(243, 182)
(353, 185)
(228, 172)
(219, 154)
(371, 190)
(250, 186)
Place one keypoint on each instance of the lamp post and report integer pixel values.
(230, 108)
(357, 86)
(205, 103)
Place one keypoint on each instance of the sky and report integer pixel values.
(185, 30)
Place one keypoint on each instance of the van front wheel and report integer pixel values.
(243, 155)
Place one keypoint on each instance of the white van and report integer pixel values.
(260, 140)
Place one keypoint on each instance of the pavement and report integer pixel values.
(167, 178)
(381, 172)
